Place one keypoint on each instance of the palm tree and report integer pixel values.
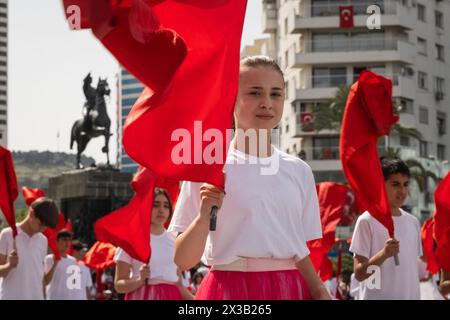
(329, 114)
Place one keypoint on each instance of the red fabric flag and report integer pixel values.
(332, 199)
(100, 256)
(30, 195)
(51, 235)
(129, 226)
(201, 85)
(426, 233)
(8, 188)
(368, 115)
(186, 94)
(442, 223)
(346, 17)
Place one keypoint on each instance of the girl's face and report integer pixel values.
(160, 211)
(259, 103)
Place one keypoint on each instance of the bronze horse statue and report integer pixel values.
(95, 122)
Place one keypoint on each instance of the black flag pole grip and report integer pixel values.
(397, 262)
(213, 219)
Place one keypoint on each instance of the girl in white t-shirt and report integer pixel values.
(159, 280)
(270, 210)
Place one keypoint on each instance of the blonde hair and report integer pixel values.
(263, 61)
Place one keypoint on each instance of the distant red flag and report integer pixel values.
(32, 194)
(100, 256)
(346, 17)
(426, 233)
(332, 199)
(368, 115)
(8, 188)
(51, 235)
(442, 223)
(129, 226)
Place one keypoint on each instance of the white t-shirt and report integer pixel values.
(162, 266)
(25, 281)
(86, 280)
(397, 282)
(68, 281)
(262, 215)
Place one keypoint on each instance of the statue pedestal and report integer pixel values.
(87, 195)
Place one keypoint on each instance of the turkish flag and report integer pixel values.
(368, 115)
(100, 256)
(332, 199)
(426, 233)
(442, 223)
(8, 188)
(32, 194)
(346, 17)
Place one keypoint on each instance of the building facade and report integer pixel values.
(4, 72)
(129, 89)
(318, 56)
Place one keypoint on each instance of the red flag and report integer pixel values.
(426, 233)
(100, 256)
(346, 17)
(332, 199)
(181, 88)
(51, 235)
(129, 226)
(8, 188)
(30, 195)
(442, 223)
(368, 115)
(185, 95)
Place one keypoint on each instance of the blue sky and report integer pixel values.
(47, 63)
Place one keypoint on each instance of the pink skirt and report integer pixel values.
(268, 285)
(160, 291)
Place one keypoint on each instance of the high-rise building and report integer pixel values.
(3, 72)
(411, 47)
(129, 90)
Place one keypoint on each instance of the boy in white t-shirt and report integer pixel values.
(63, 276)
(22, 263)
(373, 250)
(78, 251)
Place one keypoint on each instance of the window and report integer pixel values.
(421, 12)
(326, 148)
(287, 128)
(423, 115)
(285, 26)
(422, 80)
(440, 54)
(441, 152)
(329, 77)
(441, 122)
(406, 105)
(423, 150)
(404, 141)
(439, 19)
(439, 88)
(2, 121)
(3, 112)
(422, 46)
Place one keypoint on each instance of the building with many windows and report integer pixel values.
(3, 72)
(129, 89)
(318, 56)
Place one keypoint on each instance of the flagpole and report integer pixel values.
(213, 218)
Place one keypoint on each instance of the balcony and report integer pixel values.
(321, 16)
(269, 17)
(321, 158)
(348, 51)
